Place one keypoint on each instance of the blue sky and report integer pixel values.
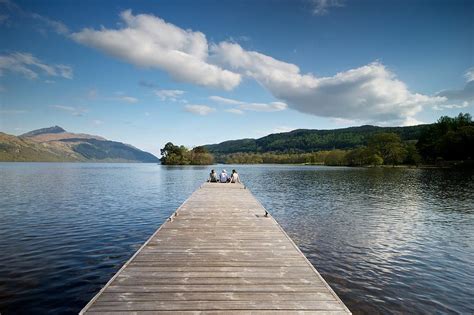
(197, 72)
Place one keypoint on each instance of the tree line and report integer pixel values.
(383, 149)
(449, 139)
(310, 140)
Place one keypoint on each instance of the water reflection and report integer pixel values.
(384, 236)
(387, 240)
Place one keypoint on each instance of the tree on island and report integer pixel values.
(180, 155)
(173, 154)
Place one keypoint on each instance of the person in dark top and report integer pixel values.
(212, 177)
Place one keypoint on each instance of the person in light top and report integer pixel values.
(223, 177)
(235, 177)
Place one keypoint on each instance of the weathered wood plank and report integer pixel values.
(215, 296)
(229, 312)
(277, 263)
(144, 280)
(116, 287)
(216, 305)
(216, 274)
(273, 270)
(217, 259)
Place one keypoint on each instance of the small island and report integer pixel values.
(180, 155)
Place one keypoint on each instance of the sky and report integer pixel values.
(200, 72)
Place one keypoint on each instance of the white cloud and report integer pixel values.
(75, 111)
(148, 41)
(239, 39)
(65, 71)
(97, 122)
(172, 95)
(264, 107)
(256, 107)
(321, 7)
(62, 107)
(57, 26)
(201, 110)
(29, 66)
(469, 75)
(127, 99)
(235, 111)
(411, 121)
(451, 106)
(370, 92)
(466, 93)
(120, 96)
(223, 100)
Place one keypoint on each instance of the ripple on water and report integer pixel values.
(388, 241)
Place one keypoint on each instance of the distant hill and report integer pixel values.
(54, 144)
(310, 140)
(49, 130)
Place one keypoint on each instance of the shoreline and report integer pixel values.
(446, 165)
(454, 164)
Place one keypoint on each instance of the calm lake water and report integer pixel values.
(387, 240)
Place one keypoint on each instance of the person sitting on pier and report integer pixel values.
(212, 177)
(223, 177)
(235, 177)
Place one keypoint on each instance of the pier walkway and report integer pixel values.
(218, 254)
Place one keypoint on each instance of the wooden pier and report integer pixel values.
(218, 254)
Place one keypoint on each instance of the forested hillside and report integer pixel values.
(307, 140)
(449, 139)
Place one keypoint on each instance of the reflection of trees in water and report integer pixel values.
(447, 187)
(377, 234)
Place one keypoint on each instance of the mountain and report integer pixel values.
(49, 130)
(54, 144)
(310, 140)
(56, 133)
